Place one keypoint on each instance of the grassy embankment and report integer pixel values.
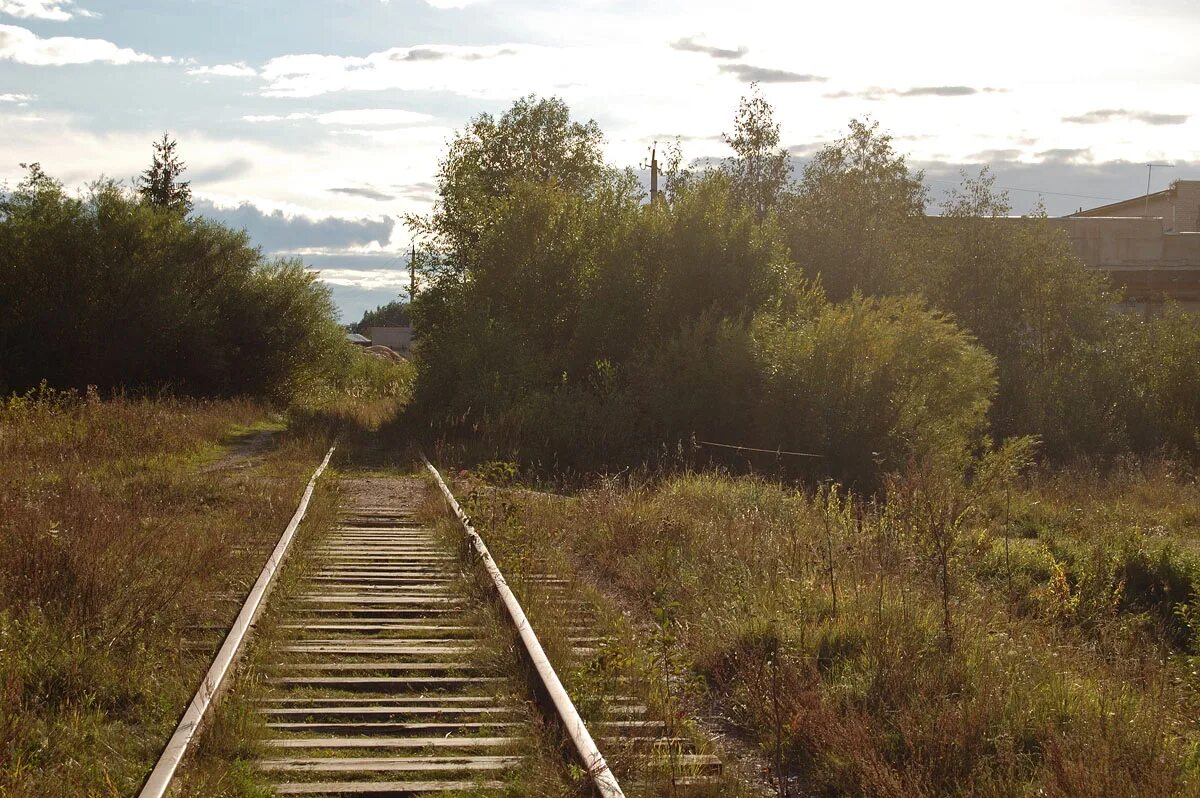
(816, 627)
(130, 531)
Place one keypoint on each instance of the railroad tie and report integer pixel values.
(380, 685)
(642, 748)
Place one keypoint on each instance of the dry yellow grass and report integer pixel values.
(117, 551)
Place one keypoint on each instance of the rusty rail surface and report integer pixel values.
(589, 756)
(159, 780)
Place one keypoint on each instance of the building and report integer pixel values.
(1149, 245)
(398, 339)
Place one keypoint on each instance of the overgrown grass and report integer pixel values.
(816, 626)
(121, 558)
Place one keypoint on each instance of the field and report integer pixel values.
(127, 529)
(815, 627)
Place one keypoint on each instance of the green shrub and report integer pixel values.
(871, 384)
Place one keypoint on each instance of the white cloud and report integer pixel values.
(359, 117)
(19, 99)
(26, 47)
(472, 71)
(447, 4)
(229, 171)
(53, 10)
(395, 279)
(238, 70)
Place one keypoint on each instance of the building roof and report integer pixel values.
(355, 338)
(1135, 206)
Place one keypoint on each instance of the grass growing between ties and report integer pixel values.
(126, 545)
(1047, 647)
(223, 766)
(625, 678)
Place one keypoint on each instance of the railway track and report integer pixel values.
(379, 680)
(381, 685)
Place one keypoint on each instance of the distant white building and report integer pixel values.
(398, 339)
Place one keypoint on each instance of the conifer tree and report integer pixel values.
(160, 184)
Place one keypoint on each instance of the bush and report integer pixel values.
(871, 384)
(1161, 362)
(109, 291)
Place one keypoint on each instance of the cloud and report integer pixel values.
(688, 44)
(224, 171)
(1063, 155)
(279, 232)
(358, 117)
(365, 193)
(432, 53)
(492, 72)
(747, 73)
(1063, 186)
(52, 10)
(997, 155)
(940, 91)
(878, 92)
(1113, 114)
(375, 279)
(804, 150)
(238, 70)
(25, 47)
(19, 99)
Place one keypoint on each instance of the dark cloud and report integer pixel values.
(235, 168)
(434, 54)
(424, 190)
(996, 155)
(1063, 155)
(275, 232)
(1063, 185)
(365, 193)
(1111, 114)
(878, 92)
(689, 44)
(806, 149)
(939, 91)
(747, 73)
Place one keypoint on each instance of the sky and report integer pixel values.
(317, 126)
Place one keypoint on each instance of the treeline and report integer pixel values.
(392, 314)
(569, 323)
(123, 288)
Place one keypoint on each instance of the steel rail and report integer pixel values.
(602, 778)
(210, 688)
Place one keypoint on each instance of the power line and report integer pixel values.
(766, 451)
(1036, 191)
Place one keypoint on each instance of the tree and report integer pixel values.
(1017, 286)
(761, 169)
(151, 300)
(393, 314)
(857, 206)
(160, 185)
(534, 141)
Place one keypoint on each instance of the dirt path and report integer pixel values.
(244, 451)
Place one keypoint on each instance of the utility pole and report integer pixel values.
(654, 173)
(1149, 172)
(412, 273)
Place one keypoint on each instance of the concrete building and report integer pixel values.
(1148, 245)
(398, 339)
